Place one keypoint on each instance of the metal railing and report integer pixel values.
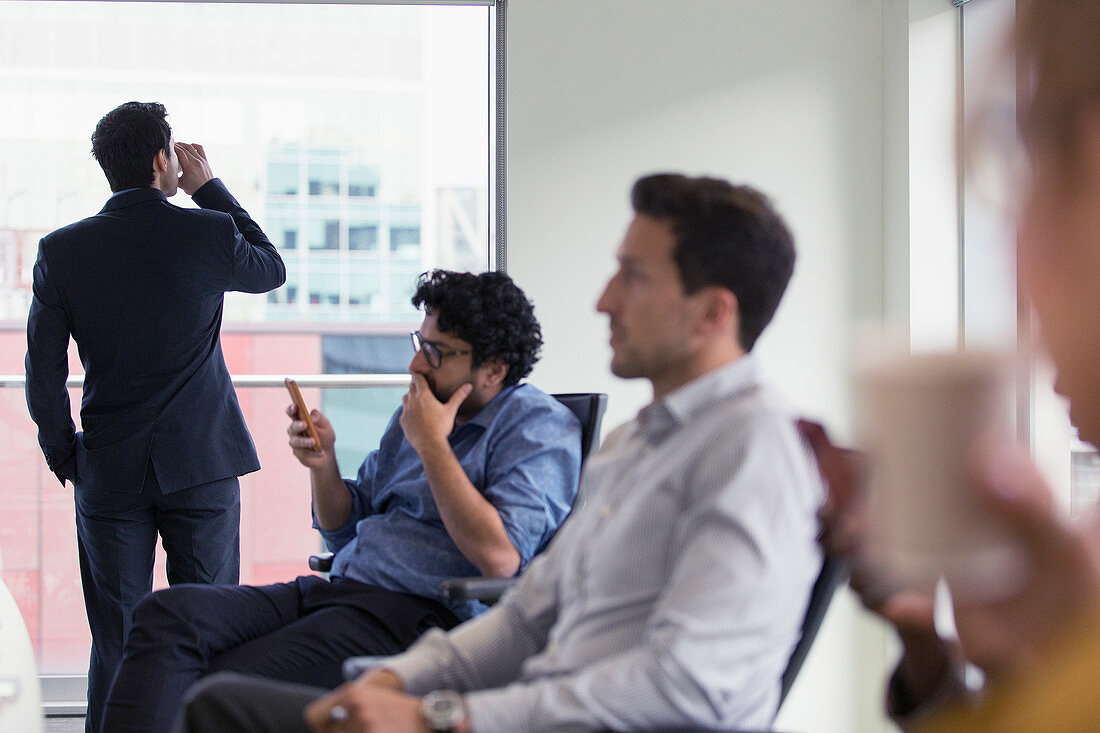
(63, 694)
(265, 380)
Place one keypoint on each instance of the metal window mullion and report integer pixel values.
(500, 143)
(475, 3)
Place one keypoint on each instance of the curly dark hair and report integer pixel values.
(489, 312)
(727, 235)
(127, 139)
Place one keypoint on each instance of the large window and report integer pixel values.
(963, 287)
(991, 310)
(359, 136)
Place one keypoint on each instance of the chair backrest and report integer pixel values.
(833, 573)
(589, 408)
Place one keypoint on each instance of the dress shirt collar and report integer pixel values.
(130, 196)
(681, 405)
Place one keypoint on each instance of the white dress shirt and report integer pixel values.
(674, 593)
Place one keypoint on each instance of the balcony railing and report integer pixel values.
(38, 541)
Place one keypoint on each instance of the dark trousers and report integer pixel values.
(232, 703)
(295, 632)
(117, 533)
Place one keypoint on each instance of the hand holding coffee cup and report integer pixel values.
(928, 417)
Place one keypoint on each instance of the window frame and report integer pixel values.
(64, 695)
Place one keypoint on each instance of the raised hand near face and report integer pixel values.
(194, 166)
(425, 420)
(843, 534)
(1060, 584)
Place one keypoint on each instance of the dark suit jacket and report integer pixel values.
(139, 287)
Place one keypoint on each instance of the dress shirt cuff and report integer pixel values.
(418, 667)
(501, 710)
(909, 714)
(336, 533)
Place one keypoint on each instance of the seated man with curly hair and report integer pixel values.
(473, 475)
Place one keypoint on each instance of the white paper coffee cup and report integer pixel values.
(927, 415)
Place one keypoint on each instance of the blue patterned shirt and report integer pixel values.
(522, 451)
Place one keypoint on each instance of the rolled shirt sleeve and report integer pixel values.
(522, 451)
(360, 491)
(532, 475)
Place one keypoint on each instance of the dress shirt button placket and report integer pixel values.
(633, 468)
(578, 584)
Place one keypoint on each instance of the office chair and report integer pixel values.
(589, 408)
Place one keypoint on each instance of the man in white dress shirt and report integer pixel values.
(674, 593)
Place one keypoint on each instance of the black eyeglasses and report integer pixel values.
(432, 353)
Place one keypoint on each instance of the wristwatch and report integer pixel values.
(443, 709)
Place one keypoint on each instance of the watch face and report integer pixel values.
(443, 709)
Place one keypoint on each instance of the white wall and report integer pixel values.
(787, 96)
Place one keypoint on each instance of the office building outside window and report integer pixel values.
(356, 135)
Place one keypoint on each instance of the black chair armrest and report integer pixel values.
(486, 590)
(355, 666)
(706, 730)
(321, 562)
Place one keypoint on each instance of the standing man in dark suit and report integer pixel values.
(139, 287)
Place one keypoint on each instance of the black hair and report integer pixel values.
(127, 139)
(729, 236)
(489, 312)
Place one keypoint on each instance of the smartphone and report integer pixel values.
(303, 411)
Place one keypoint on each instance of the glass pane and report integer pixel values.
(989, 275)
(318, 117)
(357, 136)
(1071, 466)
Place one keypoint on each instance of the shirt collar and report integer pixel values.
(684, 403)
(485, 416)
(129, 196)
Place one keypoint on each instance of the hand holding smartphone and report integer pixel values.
(303, 411)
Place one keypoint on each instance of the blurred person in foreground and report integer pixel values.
(674, 593)
(1039, 648)
(140, 288)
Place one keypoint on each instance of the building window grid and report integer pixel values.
(397, 233)
(303, 238)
